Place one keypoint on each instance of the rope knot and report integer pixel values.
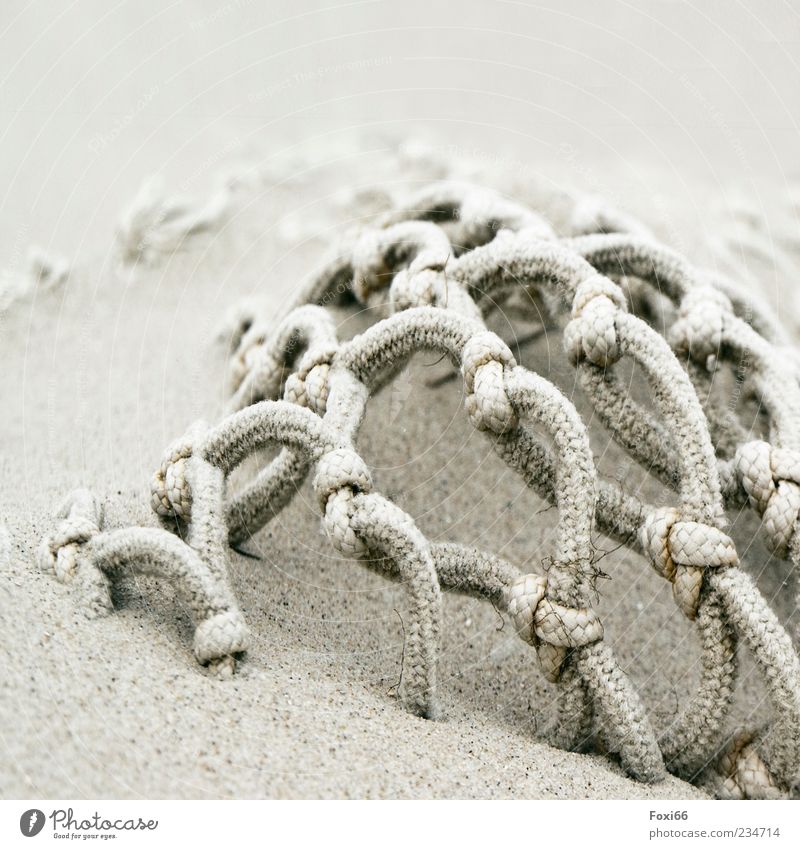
(551, 627)
(369, 265)
(416, 287)
(81, 516)
(341, 473)
(221, 635)
(744, 773)
(308, 386)
(483, 361)
(251, 352)
(592, 334)
(170, 493)
(699, 329)
(680, 551)
(771, 478)
(378, 254)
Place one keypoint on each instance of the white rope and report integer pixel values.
(437, 264)
(81, 553)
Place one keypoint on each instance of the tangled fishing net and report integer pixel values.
(430, 272)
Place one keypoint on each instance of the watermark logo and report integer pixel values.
(64, 824)
(31, 822)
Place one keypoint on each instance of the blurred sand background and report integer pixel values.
(683, 114)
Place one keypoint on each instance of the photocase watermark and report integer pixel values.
(318, 73)
(589, 177)
(716, 117)
(65, 825)
(219, 13)
(225, 152)
(100, 141)
(481, 157)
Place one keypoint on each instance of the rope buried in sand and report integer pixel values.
(431, 270)
(82, 553)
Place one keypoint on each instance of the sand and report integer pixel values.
(101, 372)
(117, 707)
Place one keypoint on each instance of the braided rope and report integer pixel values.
(718, 326)
(89, 558)
(437, 265)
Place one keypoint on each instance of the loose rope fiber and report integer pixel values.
(430, 271)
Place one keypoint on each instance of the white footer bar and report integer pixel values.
(394, 824)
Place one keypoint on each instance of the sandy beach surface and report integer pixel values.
(102, 369)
